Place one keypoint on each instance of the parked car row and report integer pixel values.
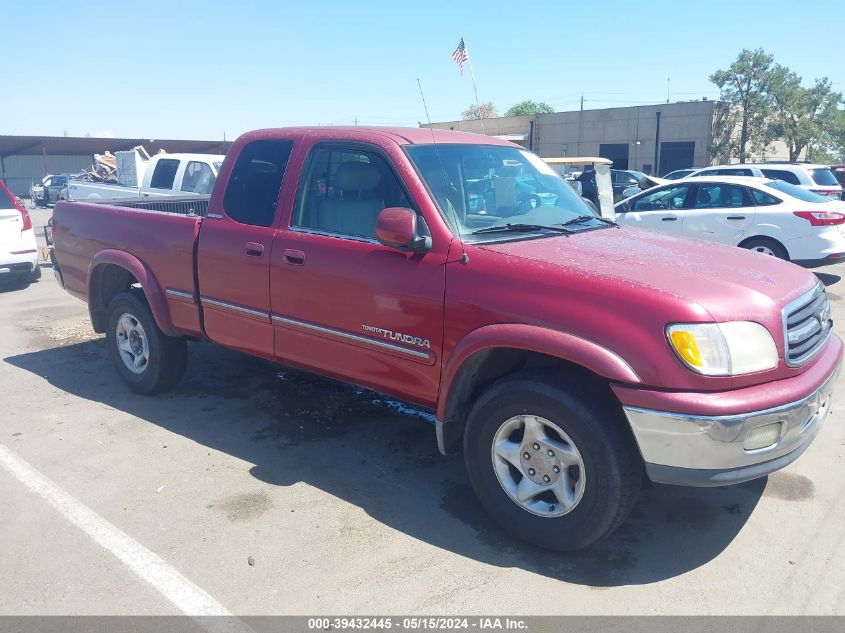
(815, 178)
(769, 216)
(821, 179)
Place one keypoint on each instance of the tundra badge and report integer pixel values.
(398, 336)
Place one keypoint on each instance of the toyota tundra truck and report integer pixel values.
(567, 357)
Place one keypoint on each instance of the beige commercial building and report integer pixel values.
(629, 136)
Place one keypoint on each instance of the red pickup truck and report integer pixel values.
(567, 357)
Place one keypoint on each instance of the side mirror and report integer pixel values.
(397, 227)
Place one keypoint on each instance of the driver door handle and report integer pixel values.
(736, 217)
(254, 249)
(293, 256)
(669, 219)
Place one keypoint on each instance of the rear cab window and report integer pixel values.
(252, 192)
(164, 174)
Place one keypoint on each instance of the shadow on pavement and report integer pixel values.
(351, 443)
(14, 285)
(828, 279)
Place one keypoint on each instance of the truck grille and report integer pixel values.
(807, 326)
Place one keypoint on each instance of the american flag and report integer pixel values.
(461, 55)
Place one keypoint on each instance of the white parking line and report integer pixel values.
(184, 594)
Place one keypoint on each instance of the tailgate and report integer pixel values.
(11, 224)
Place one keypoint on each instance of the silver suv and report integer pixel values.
(816, 178)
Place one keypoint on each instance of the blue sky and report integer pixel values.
(189, 69)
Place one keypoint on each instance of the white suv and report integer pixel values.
(18, 250)
(816, 178)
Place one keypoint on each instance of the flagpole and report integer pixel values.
(475, 90)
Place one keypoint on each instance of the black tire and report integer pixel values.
(167, 355)
(36, 274)
(764, 242)
(613, 468)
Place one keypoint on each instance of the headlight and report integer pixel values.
(723, 349)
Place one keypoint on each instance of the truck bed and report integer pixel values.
(161, 233)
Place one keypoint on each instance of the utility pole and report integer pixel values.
(657, 146)
(668, 79)
(356, 120)
(580, 116)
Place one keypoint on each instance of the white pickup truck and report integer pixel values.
(164, 175)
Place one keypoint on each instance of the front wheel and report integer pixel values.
(148, 360)
(556, 469)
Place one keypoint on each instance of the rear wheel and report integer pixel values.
(148, 360)
(556, 469)
(36, 274)
(766, 246)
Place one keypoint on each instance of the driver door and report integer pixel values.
(344, 304)
(660, 209)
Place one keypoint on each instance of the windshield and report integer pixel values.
(796, 192)
(481, 187)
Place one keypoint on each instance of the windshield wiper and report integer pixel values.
(521, 228)
(584, 218)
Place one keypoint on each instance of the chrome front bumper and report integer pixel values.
(694, 450)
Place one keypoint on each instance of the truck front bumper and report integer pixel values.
(717, 450)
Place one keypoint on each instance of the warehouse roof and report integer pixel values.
(71, 145)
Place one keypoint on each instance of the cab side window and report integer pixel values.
(667, 199)
(782, 174)
(198, 178)
(253, 188)
(344, 190)
(721, 195)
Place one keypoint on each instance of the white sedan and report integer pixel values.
(768, 216)
(18, 249)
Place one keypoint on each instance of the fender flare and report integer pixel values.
(532, 338)
(149, 284)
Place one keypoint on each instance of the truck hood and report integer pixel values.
(725, 282)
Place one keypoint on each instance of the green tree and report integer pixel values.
(482, 111)
(802, 117)
(743, 86)
(529, 108)
(838, 134)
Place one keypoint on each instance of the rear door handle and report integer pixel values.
(669, 219)
(293, 256)
(254, 249)
(736, 217)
